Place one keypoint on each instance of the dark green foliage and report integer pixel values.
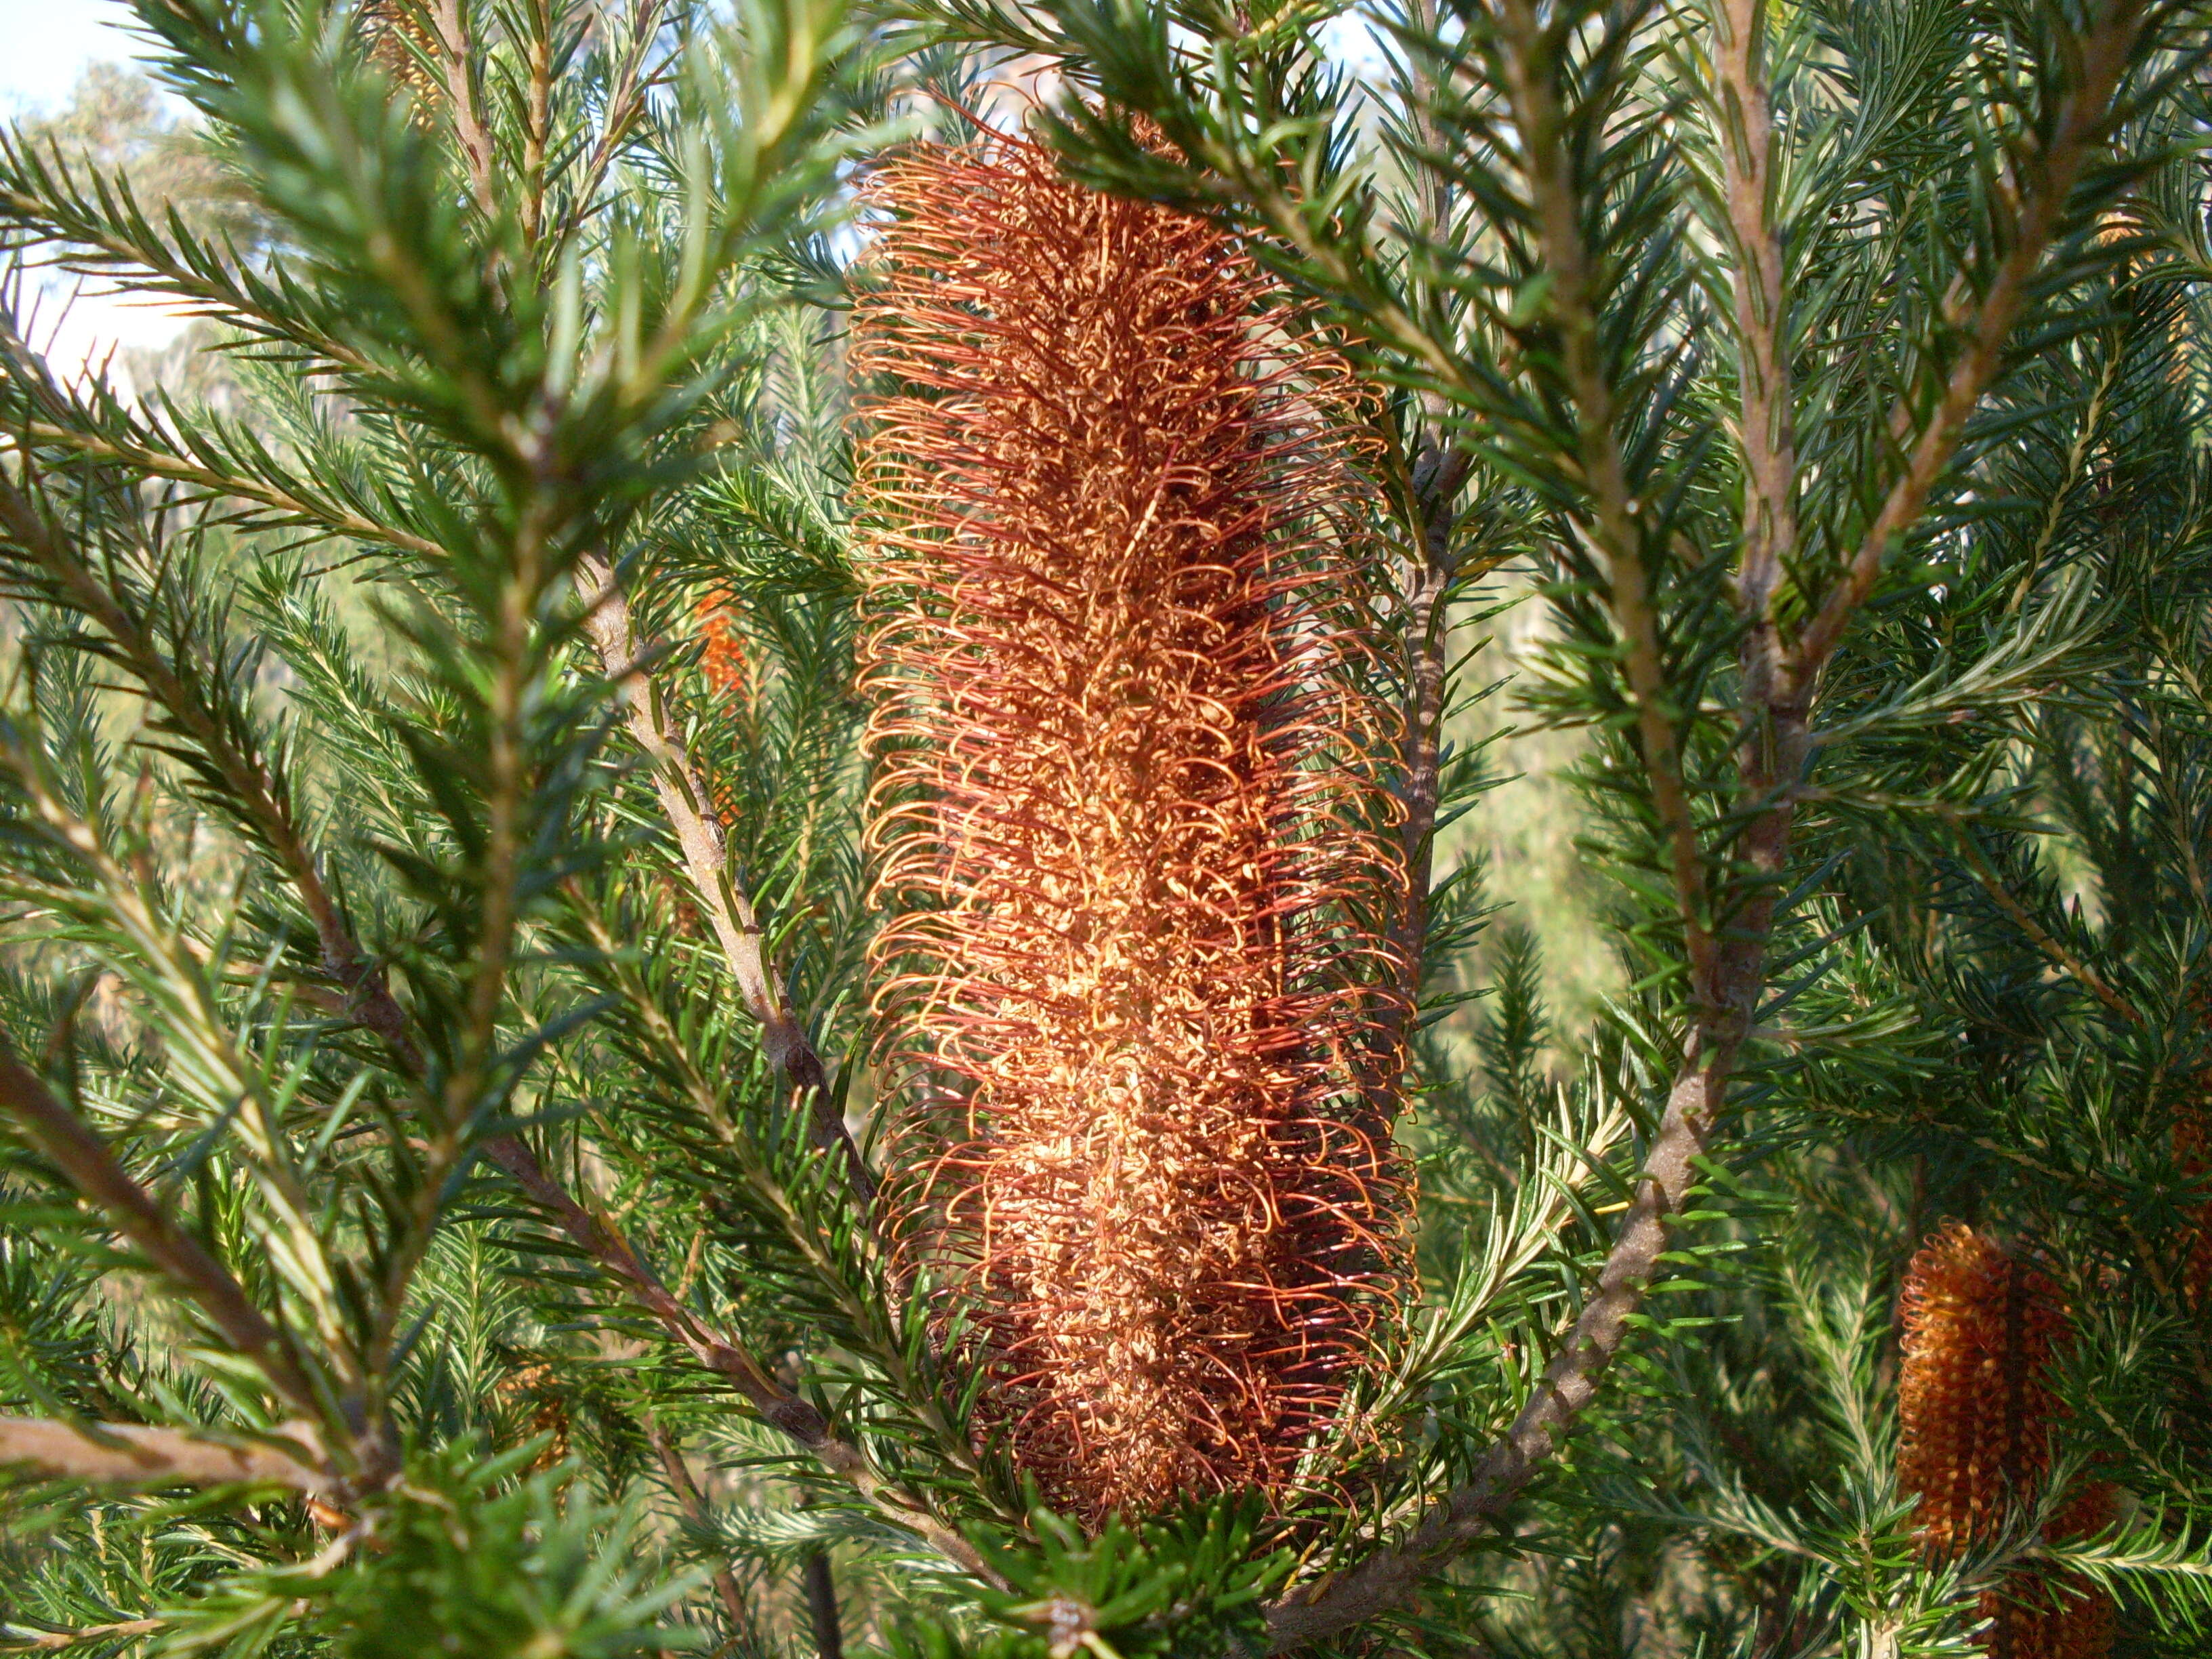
(1177, 1587)
(461, 965)
(474, 1562)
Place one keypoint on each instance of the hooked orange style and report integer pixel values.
(1976, 1409)
(1132, 829)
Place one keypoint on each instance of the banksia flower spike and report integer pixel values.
(403, 42)
(1981, 1330)
(1126, 811)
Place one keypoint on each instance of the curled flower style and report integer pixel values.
(1137, 994)
(1976, 1409)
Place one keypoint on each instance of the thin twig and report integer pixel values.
(1615, 526)
(135, 1455)
(457, 66)
(256, 788)
(178, 276)
(693, 1502)
(1433, 483)
(536, 125)
(2084, 118)
(96, 1172)
(822, 1606)
(625, 104)
(688, 804)
(1767, 420)
(2041, 937)
(1438, 473)
(167, 465)
(47, 1641)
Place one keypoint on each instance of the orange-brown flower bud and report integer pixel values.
(722, 656)
(1130, 825)
(1976, 1411)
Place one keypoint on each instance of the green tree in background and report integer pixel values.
(440, 1129)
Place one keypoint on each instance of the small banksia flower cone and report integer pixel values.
(1976, 1411)
(402, 40)
(1127, 816)
(722, 651)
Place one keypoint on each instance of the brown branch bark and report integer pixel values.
(822, 1606)
(693, 1503)
(1725, 982)
(1615, 526)
(1438, 473)
(686, 799)
(134, 1455)
(458, 71)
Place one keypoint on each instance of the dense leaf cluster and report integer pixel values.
(438, 1121)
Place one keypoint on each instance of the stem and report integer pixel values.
(135, 1455)
(822, 1606)
(693, 1503)
(537, 118)
(2040, 937)
(1768, 426)
(1433, 483)
(688, 804)
(625, 105)
(455, 50)
(2084, 117)
(142, 456)
(1615, 526)
(48, 1641)
(206, 281)
(96, 1172)
(257, 788)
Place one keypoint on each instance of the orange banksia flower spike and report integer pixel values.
(1128, 817)
(1982, 1328)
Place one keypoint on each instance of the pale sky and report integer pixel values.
(44, 45)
